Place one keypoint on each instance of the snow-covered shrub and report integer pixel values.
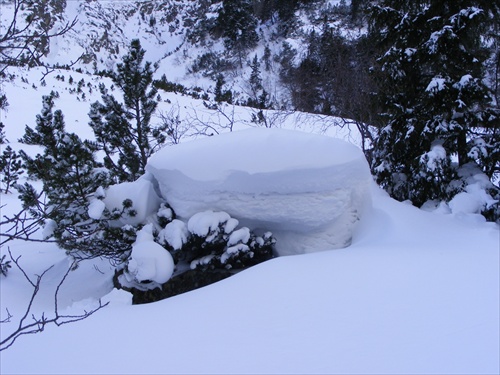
(478, 196)
(210, 240)
(470, 193)
(216, 243)
(432, 177)
(183, 256)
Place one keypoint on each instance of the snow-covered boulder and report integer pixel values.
(308, 189)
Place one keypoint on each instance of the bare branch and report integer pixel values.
(23, 44)
(38, 323)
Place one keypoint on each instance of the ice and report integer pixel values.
(302, 187)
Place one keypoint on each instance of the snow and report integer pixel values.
(144, 199)
(464, 81)
(434, 157)
(149, 261)
(416, 292)
(49, 228)
(175, 234)
(233, 250)
(117, 297)
(476, 197)
(241, 235)
(203, 223)
(472, 201)
(436, 84)
(308, 189)
(96, 208)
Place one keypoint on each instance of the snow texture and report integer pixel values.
(416, 293)
(145, 201)
(149, 261)
(308, 189)
(174, 234)
(434, 157)
(96, 208)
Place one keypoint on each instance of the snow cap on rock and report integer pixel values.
(292, 183)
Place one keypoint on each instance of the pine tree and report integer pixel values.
(11, 165)
(70, 177)
(432, 70)
(236, 24)
(221, 95)
(123, 130)
(255, 80)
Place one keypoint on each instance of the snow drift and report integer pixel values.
(308, 189)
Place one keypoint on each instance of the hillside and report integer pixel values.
(265, 186)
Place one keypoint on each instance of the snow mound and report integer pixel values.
(149, 261)
(175, 234)
(308, 189)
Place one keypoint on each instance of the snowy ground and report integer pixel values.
(416, 292)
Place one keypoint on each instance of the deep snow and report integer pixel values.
(309, 190)
(416, 292)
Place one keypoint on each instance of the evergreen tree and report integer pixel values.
(236, 24)
(11, 165)
(259, 98)
(221, 95)
(123, 130)
(70, 176)
(432, 69)
(255, 80)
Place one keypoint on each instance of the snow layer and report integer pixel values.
(416, 293)
(145, 201)
(96, 208)
(291, 183)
